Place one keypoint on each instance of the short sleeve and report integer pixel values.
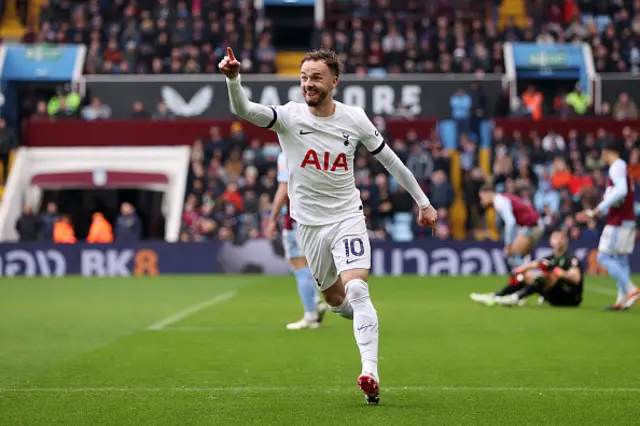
(369, 136)
(283, 171)
(501, 204)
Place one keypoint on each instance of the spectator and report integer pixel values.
(461, 104)
(468, 154)
(553, 142)
(547, 199)
(100, 231)
(215, 143)
(27, 226)
(478, 106)
(233, 196)
(63, 231)
(561, 176)
(128, 227)
(96, 111)
(162, 112)
(8, 142)
(419, 162)
(533, 102)
(440, 191)
(48, 220)
(139, 111)
(66, 100)
(41, 111)
(64, 110)
(560, 106)
(578, 100)
(625, 108)
(580, 180)
(234, 165)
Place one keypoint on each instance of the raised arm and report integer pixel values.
(260, 115)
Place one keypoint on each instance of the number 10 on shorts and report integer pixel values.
(353, 246)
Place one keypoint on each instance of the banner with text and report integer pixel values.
(426, 257)
(206, 96)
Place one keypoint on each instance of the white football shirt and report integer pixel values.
(320, 153)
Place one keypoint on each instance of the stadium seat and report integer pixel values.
(512, 8)
(288, 62)
(401, 227)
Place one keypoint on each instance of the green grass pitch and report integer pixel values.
(214, 351)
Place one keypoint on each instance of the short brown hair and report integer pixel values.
(487, 187)
(329, 57)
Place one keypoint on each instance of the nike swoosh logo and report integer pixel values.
(302, 132)
(351, 261)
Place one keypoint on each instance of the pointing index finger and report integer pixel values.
(230, 54)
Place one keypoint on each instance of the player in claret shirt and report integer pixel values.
(319, 139)
(522, 230)
(619, 235)
(557, 278)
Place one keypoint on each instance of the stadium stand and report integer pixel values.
(232, 180)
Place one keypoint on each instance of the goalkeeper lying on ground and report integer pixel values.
(558, 279)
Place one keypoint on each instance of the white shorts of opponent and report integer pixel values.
(334, 248)
(618, 239)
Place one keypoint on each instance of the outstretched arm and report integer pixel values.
(260, 115)
(402, 174)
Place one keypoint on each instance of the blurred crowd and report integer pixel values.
(454, 36)
(373, 36)
(232, 182)
(157, 36)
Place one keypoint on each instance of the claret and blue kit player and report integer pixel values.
(618, 236)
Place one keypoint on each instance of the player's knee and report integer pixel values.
(357, 289)
(298, 263)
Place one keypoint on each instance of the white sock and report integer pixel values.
(631, 287)
(365, 325)
(345, 310)
(622, 298)
(311, 316)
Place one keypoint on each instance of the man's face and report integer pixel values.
(559, 241)
(316, 81)
(485, 198)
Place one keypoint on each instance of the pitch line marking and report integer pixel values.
(190, 311)
(258, 389)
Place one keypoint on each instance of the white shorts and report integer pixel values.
(335, 248)
(533, 232)
(618, 239)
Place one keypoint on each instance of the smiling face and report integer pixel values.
(319, 76)
(317, 81)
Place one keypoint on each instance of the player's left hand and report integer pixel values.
(584, 216)
(508, 250)
(428, 217)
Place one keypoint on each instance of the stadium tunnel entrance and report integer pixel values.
(80, 194)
